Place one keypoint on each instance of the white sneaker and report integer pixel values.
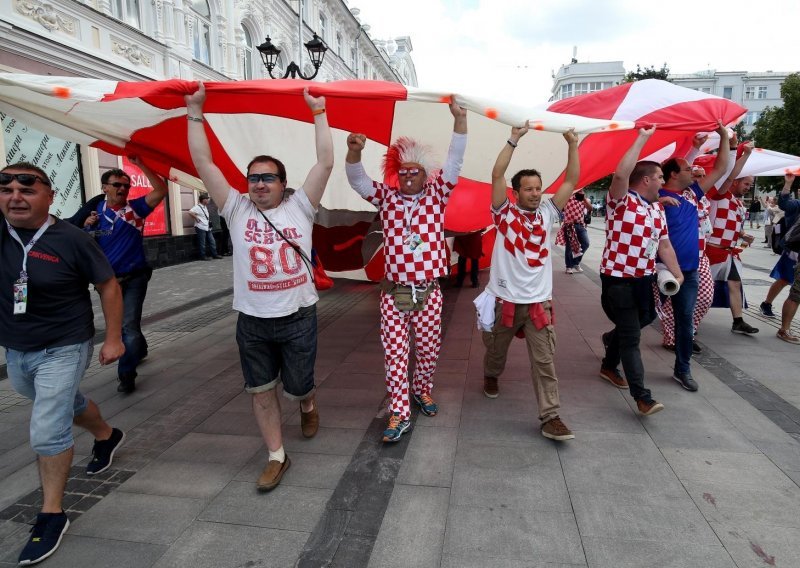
(570, 271)
(578, 268)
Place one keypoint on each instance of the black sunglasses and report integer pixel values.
(24, 179)
(266, 178)
(119, 184)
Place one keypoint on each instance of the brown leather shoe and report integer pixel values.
(309, 422)
(490, 388)
(649, 408)
(272, 474)
(614, 377)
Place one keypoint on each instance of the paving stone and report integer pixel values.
(138, 518)
(430, 457)
(215, 545)
(214, 448)
(733, 503)
(79, 552)
(339, 441)
(601, 552)
(231, 423)
(475, 561)
(639, 516)
(353, 551)
(196, 480)
(415, 515)
(352, 417)
(515, 534)
(759, 544)
(726, 467)
(285, 507)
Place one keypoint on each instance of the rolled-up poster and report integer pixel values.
(667, 283)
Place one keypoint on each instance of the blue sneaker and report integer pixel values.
(103, 452)
(426, 404)
(46, 535)
(396, 428)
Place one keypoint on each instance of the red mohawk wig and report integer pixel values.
(407, 150)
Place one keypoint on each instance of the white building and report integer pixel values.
(586, 77)
(212, 40)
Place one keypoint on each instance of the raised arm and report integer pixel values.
(620, 182)
(458, 145)
(317, 178)
(459, 116)
(111, 302)
(499, 186)
(721, 163)
(572, 172)
(160, 187)
(356, 176)
(212, 177)
(737, 168)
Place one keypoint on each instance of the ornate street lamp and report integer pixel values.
(316, 51)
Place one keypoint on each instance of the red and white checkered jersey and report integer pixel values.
(522, 267)
(404, 218)
(727, 215)
(574, 211)
(631, 225)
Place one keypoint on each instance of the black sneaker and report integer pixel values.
(743, 327)
(606, 339)
(696, 347)
(127, 382)
(766, 309)
(686, 381)
(45, 537)
(103, 452)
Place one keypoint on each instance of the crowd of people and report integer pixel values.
(666, 216)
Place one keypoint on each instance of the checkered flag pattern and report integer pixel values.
(523, 232)
(705, 294)
(395, 328)
(727, 218)
(630, 224)
(426, 220)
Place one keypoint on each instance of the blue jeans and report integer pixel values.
(205, 238)
(134, 289)
(583, 239)
(50, 378)
(683, 307)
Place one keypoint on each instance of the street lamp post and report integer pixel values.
(316, 51)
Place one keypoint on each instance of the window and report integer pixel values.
(339, 44)
(353, 59)
(201, 40)
(305, 9)
(247, 72)
(761, 92)
(364, 70)
(752, 117)
(128, 11)
(749, 92)
(727, 92)
(323, 27)
(704, 90)
(566, 91)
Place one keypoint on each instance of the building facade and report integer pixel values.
(209, 40)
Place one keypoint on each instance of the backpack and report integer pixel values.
(792, 239)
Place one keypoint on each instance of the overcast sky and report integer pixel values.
(510, 48)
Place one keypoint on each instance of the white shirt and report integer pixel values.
(522, 266)
(270, 279)
(201, 220)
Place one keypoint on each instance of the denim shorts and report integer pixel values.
(284, 349)
(50, 378)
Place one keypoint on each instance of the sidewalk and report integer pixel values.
(711, 481)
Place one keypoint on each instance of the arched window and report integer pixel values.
(129, 11)
(201, 40)
(248, 55)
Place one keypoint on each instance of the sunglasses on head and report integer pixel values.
(266, 178)
(404, 171)
(24, 179)
(120, 185)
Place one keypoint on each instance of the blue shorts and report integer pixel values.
(50, 378)
(284, 349)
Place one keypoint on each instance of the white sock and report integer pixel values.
(277, 455)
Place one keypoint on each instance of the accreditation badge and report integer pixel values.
(20, 297)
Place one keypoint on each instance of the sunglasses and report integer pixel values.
(266, 178)
(404, 171)
(120, 185)
(24, 179)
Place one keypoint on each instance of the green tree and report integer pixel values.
(777, 128)
(647, 73)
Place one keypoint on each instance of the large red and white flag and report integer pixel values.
(247, 118)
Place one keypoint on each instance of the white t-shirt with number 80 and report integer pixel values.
(270, 279)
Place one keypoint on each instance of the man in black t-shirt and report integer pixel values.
(47, 329)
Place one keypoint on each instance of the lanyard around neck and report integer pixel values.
(117, 215)
(23, 275)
